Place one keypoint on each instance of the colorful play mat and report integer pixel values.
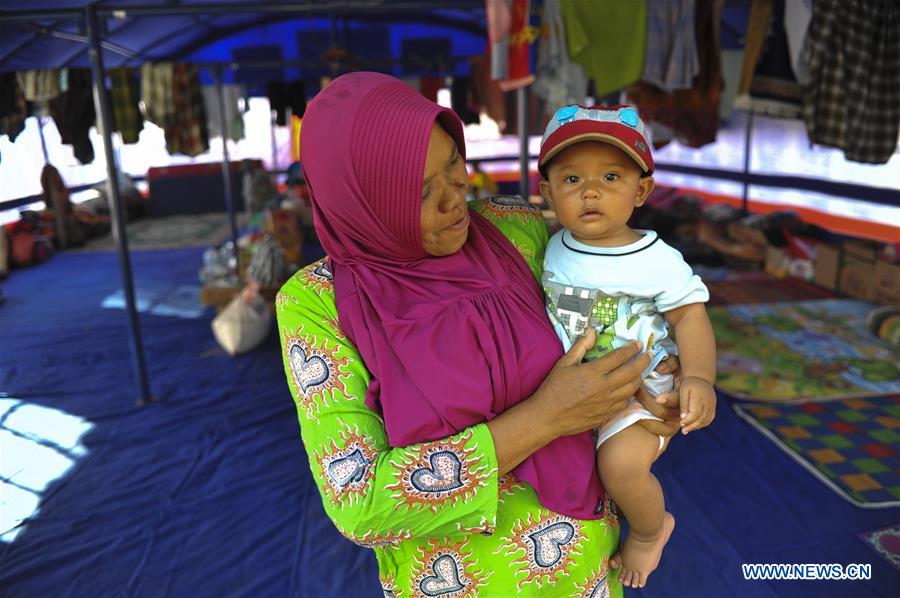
(801, 351)
(851, 445)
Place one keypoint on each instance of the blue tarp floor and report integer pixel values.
(208, 492)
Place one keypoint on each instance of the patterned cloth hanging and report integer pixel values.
(126, 111)
(853, 99)
(187, 134)
(560, 81)
(40, 84)
(156, 93)
(509, 37)
(671, 60)
(690, 115)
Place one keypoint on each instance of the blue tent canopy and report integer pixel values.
(135, 31)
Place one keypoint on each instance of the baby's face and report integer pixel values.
(594, 187)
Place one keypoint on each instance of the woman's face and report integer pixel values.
(445, 216)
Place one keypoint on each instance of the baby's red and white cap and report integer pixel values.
(618, 125)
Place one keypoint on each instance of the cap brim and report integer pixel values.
(594, 136)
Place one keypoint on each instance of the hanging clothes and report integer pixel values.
(157, 93)
(535, 117)
(13, 107)
(671, 61)
(8, 94)
(509, 38)
(125, 98)
(296, 91)
(40, 84)
(73, 112)
(690, 115)
(768, 85)
(559, 81)
(487, 92)
(187, 134)
(429, 87)
(853, 99)
(608, 38)
(276, 92)
(797, 16)
(234, 116)
(460, 100)
(286, 96)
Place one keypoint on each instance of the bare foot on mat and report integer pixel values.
(639, 557)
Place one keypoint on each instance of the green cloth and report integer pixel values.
(608, 39)
(484, 536)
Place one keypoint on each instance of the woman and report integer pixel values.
(444, 427)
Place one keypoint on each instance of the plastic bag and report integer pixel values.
(244, 323)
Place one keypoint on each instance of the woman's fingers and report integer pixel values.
(615, 359)
(626, 373)
(579, 348)
(669, 400)
(664, 406)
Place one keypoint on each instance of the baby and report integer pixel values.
(626, 285)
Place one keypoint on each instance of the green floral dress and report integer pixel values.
(441, 521)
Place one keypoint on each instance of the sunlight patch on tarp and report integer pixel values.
(181, 302)
(38, 445)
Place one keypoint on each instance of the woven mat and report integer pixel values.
(852, 446)
(764, 290)
(801, 351)
(885, 542)
(189, 230)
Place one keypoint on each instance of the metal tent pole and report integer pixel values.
(748, 135)
(522, 102)
(104, 119)
(226, 169)
(272, 124)
(40, 122)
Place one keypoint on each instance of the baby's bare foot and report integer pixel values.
(640, 556)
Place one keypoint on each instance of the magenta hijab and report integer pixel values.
(451, 341)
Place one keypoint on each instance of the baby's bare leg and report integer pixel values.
(624, 462)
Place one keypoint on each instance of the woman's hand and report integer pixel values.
(664, 406)
(574, 397)
(579, 396)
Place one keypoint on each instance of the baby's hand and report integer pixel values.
(698, 404)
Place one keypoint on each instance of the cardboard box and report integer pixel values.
(887, 283)
(857, 279)
(828, 266)
(864, 251)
